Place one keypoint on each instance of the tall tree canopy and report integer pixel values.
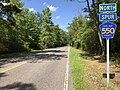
(93, 25)
(21, 29)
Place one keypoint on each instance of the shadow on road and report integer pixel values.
(46, 51)
(35, 57)
(3, 75)
(19, 86)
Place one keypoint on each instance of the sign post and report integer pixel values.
(107, 29)
(108, 67)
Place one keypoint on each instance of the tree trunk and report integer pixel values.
(88, 6)
(97, 27)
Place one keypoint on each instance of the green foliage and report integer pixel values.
(21, 30)
(115, 58)
(85, 33)
(80, 77)
(83, 36)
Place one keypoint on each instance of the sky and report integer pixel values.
(63, 11)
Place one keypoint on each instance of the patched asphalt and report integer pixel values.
(44, 70)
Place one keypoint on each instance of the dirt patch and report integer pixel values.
(95, 71)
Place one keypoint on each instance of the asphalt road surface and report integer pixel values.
(43, 70)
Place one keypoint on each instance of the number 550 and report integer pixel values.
(108, 30)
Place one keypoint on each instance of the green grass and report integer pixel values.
(83, 74)
(80, 79)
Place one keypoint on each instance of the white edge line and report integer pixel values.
(67, 72)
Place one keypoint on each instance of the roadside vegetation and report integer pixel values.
(80, 79)
(87, 72)
(84, 32)
(88, 60)
(25, 30)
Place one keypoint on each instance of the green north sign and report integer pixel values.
(111, 7)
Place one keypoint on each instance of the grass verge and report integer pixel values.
(80, 79)
(87, 72)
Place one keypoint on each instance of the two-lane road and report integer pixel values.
(43, 70)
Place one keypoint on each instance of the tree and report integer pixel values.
(25, 30)
(93, 16)
(83, 36)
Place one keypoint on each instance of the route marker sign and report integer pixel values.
(112, 7)
(108, 17)
(107, 30)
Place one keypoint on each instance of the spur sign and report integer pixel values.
(108, 17)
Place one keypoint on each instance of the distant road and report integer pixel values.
(43, 70)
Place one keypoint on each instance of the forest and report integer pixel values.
(35, 53)
(22, 30)
(84, 32)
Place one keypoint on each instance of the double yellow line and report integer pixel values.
(15, 66)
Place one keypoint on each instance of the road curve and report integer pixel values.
(42, 70)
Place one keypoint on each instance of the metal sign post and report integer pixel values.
(107, 29)
(108, 67)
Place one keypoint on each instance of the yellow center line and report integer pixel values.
(7, 69)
